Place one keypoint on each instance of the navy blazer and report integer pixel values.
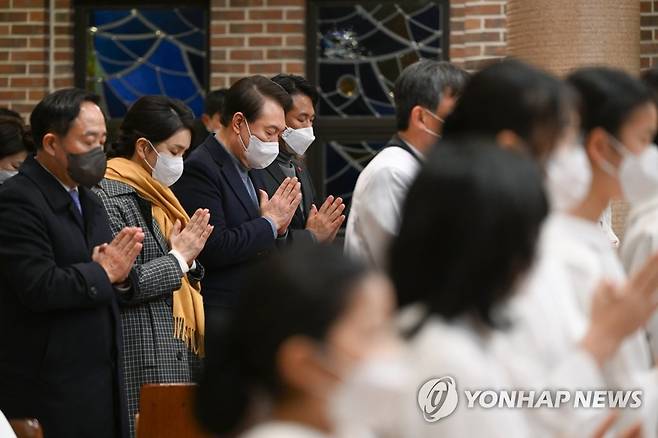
(60, 337)
(241, 236)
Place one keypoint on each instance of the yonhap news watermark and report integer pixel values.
(439, 397)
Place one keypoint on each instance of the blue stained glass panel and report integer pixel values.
(166, 21)
(139, 47)
(120, 90)
(112, 101)
(133, 26)
(110, 16)
(167, 55)
(178, 86)
(109, 49)
(193, 40)
(143, 79)
(135, 52)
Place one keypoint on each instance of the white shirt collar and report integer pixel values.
(415, 150)
(582, 229)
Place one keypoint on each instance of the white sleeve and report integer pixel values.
(380, 212)
(5, 428)
(182, 262)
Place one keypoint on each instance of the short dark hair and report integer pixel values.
(295, 84)
(57, 111)
(469, 229)
(214, 102)
(423, 83)
(155, 118)
(302, 292)
(247, 95)
(14, 137)
(512, 95)
(607, 97)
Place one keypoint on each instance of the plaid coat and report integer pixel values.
(151, 354)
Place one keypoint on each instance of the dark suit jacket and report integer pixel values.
(60, 336)
(199, 135)
(272, 177)
(241, 235)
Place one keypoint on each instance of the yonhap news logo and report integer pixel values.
(438, 398)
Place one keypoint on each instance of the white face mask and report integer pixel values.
(369, 400)
(298, 139)
(260, 154)
(167, 169)
(568, 177)
(6, 174)
(638, 175)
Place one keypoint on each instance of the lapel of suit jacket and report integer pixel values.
(56, 196)
(277, 174)
(275, 171)
(307, 187)
(93, 212)
(227, 168)
(146, 210)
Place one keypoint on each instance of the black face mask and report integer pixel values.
(87, 169)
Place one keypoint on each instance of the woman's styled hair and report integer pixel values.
(14, 137)
(469, 228)
(155, 118)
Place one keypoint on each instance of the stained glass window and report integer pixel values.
(347, 160)
(134, 52)
(359, 49)
(362, 49)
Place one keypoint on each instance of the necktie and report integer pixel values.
(251, 190)
(75, 196)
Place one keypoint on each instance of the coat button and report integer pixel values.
(179, 355)
(93, 291)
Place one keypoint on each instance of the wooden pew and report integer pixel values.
(167, 410)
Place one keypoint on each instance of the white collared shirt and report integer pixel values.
(640, 243)
(376, 210)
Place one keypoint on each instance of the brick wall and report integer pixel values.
(24, 51)
(247, 37)
(649, 33)
(477, 32)
(256, 37)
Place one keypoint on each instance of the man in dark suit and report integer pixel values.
(310, 223)
(218, 176)
(60, 272)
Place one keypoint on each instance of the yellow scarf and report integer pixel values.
(187, 303)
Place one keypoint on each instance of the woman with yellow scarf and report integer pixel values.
(162, 317)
